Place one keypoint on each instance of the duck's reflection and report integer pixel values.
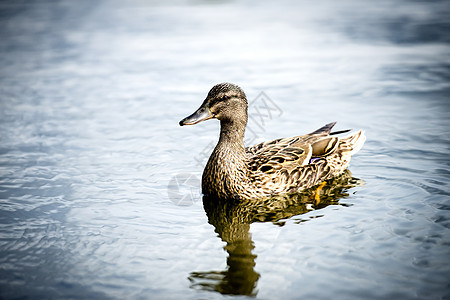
(232, 223)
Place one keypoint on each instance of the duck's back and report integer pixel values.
(293, 164)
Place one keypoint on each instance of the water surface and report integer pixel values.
(99, 186)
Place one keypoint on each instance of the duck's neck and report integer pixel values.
(225, 173)
(232, 135)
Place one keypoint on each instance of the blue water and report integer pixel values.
(100, 187)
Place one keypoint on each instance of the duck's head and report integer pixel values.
(225, 102)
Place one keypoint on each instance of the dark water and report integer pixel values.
(99, 186)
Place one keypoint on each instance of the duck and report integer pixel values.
(271, 168)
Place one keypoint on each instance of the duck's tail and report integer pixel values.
(340, 158)
(351, 144)
(327, 129)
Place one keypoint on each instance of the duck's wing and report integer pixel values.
(286, 153)
(295, 163)
(292, 152)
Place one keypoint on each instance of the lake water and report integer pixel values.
(100, 186)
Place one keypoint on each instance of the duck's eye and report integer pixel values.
(225, 97)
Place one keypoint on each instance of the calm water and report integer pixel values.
(99, 185)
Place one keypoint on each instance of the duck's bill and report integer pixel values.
(202, 114)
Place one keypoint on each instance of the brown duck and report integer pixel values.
(285, 165)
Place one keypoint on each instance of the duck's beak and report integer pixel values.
(202, 114)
